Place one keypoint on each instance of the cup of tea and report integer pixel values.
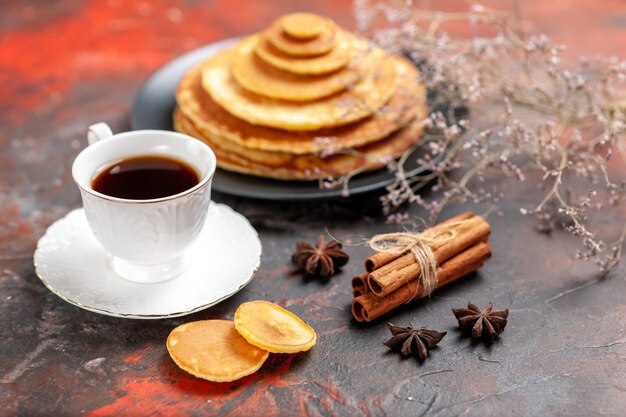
(146, 196)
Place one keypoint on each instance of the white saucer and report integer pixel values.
(73, 265)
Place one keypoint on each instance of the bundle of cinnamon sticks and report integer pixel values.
(393, 279)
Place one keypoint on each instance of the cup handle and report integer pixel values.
(98, 132)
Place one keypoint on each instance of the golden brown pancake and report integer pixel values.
(303, 100)
(285, 166)
(290, 45)
(361, 100)
(259, 77)
(303, 25)
(337, 58)
(214, 350)
(273, 328)
(215, 121)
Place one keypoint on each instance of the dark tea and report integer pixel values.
(145, 178)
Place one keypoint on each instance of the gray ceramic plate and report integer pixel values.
(153, 110)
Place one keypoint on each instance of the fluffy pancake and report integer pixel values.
(215, 121)
(361, 100)
(303, 100)
(213, 350)
(286, 166)
(303, 25)
(320, 44)
(259, 77)
(273, 328)
(337, 58)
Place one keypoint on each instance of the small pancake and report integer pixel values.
(214, 350)
(284, 166)
(273, 328)
(320, 44)
(303, 25)
(337, 58)
(259, 77)
(213, 119)
(361, 100)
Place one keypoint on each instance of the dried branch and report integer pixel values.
(532, 115)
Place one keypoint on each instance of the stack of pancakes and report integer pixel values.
(302, 100)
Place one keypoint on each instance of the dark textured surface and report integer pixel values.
(67, 64)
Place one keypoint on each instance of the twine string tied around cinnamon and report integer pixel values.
(420, 245)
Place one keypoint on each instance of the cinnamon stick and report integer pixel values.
(359, 284)
(369, 306)
(389, 277)
(377, 260)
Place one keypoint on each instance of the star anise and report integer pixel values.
(321, 260)
(412, 341)
(486, 324)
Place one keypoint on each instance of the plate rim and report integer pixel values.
(145, 316)
(219, 44)
(319, 194)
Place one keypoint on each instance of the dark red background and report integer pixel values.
(67, 64)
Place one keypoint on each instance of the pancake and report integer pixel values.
(270, 327)
(259, 77)
(214, 350)
(303, 25)
(303, 100)
(214, 120)
(285, 166)
(337, 58)
(320, 44)
(373, 90)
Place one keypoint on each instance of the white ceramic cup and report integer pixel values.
(147, 240)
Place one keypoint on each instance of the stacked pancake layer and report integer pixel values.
(301, 101)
